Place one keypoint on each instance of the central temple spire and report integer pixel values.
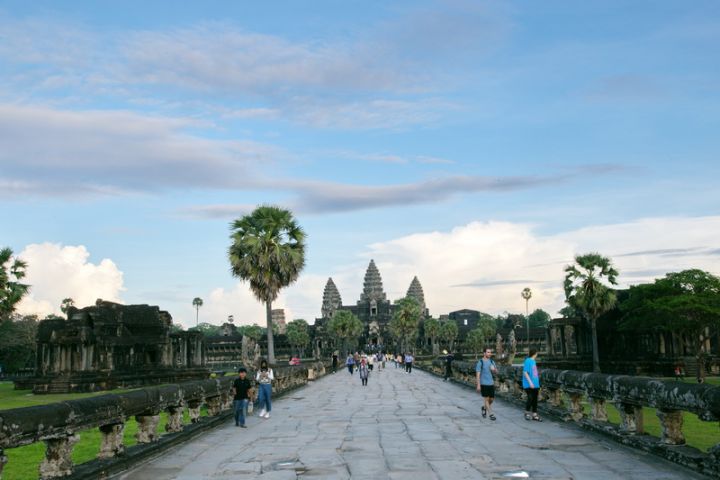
(331, 299)
(372, 286)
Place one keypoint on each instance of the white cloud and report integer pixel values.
(56, 272)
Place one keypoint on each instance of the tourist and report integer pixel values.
(364, 371)
(350, 363)
(264, 377)
(448, 364)
(242, 392)
(408, 362)
(356, 357)
(382, 360)
(484, 371)
(531, 384)
(370, 362)
(295, 361)
(334, 361)
(398, 360)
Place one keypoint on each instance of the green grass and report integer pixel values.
(23, 462)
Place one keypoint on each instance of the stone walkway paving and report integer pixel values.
(401, 426)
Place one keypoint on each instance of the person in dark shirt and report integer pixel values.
(242, 391)
(448, 364)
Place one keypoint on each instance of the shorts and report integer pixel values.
(487, 391)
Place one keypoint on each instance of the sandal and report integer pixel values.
(492, 417)
(528, 417)
(537, 418)
(484, 412)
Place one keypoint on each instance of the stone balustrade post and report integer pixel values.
(598, 409)
(175, 419)
(111, 440)
(3, 461)
(575, 407)
(58, 457)
(147, 428)
(632, 418)
(672, 423)
(227, 401)
(194, 411)
(213, 405)
(555, 397)
(311, 374)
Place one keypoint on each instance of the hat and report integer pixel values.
(241, 369)
(444, 352)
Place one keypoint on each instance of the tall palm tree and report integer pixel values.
(527, 295)
(432, 329)
(345, 326)
(405, 321)
(12, 270)
(268, 252)
(588, 289)
(197, 303)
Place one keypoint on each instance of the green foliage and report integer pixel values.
(431, 327)
(345, 326)
(268, 252)
(297, 334)
(66, 304)
(475, 340)
(12, 290)
(486, 326)
(588, 290)
(405, 323)
(568, 311)
(251, 331)
(448, 332)
(539, 318)
(510, 320)
(207, 329)
(683, 302)
(17, 342)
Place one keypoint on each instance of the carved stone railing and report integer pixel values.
(564, 392)
(61, 424)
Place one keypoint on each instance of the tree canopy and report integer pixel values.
(17, 342)
(405, 322)
(12, 290)
(449, 332)
(539, 318)
(297, 334)
(345, 326)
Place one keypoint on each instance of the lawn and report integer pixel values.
(23, 462)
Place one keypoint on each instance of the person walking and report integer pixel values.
(531, 384)
(356, 357)
(264, 378)
(484, 371)
(364, 371)
(448, 364)
(334, 361)
(370, 361)
(350, 363)
(408, 362)
(242, 392)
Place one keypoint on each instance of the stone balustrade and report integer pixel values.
(564, 393)
(61, 424)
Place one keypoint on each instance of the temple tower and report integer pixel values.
(331, 299)
(372, 286)
(416, 291)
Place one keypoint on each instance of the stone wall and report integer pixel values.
(564, 392)
(61, 424)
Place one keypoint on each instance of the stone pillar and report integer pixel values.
(194, 411)
(575, 408)
(555, 397)
(58, 457)
(147, 428)
(3, 461)
(632, 418)
(671, 422)
(598, 409)
(111, 440)
(213, 406)
(175, 419)
(311, 374)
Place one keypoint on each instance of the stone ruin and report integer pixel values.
(108, 346)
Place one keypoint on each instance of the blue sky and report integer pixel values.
(131, 134)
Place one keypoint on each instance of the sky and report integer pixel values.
(479, 145)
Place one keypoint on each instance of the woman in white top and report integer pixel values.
(264, 378)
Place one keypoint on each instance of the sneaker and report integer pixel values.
(267, 415)
(484, 411)
(262, 413)
(492, 417)
(243, 426)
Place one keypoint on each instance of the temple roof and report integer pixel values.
(331, 299)
(416, 291)
(372, 286)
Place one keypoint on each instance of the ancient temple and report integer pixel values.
(373, 308)
(109, 345)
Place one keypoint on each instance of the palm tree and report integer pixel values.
(268, 251)
(12, 270)
(527, 295)
(197, 303)
(432, 329)
(66, 304)
(405, 321)
(449, 332)
(586, 291)
(345, 326)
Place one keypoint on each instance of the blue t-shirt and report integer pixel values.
(531, 368)
(485, 368)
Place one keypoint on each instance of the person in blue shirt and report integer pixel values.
(531, 384)
(350, 363)
(484, 371)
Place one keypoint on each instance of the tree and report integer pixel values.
(297, 334)
(587, 289)
(253, 332)
(197, 303)
(405, 321)
(66, 304)
(568, 311)
(539, 318)
(449, 332)
(268, 252)
(686, 302)
(432, 329)
(18, 342)
(475, 341)
(345, 326)
(12, 290)
(207, 329)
